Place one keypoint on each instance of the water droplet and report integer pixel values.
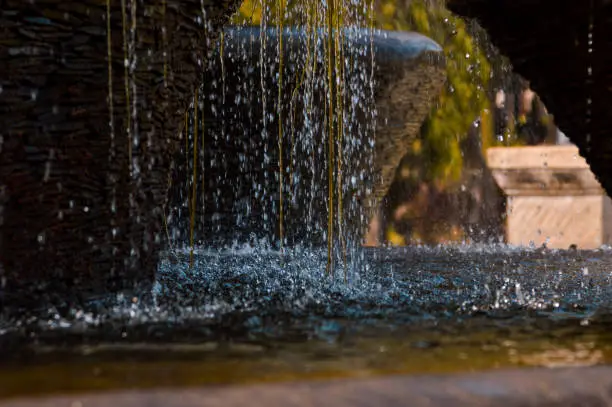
(48, 165)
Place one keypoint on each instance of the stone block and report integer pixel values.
(559, 221)
(552, 197)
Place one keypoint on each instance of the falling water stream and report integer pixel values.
(244, 295)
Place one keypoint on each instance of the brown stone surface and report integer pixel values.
(545, 182)
(537, 157)
(542, 170)
(585, 387)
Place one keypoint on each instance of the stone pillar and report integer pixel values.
(92, 96)
(553, 198)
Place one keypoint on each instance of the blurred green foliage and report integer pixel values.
(463, 100)
(465, 95)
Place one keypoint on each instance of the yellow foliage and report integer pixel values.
(468, 71)
(395, 238)
(486, 129)
(388, 9)
(462, 101)
(249, 12)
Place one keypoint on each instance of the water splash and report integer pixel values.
(245, 291)
(318, 62)
(195, 174)
(280, 17)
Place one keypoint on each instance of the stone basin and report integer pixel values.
(553, 198)
(385, 104)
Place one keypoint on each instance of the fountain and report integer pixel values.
(86, 174)
(262, 149)
(239, 189)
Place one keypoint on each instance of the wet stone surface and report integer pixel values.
(566, 387)
(249, 315)
(259, 288)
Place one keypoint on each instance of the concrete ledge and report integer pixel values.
(553, 157)
(588, 386)
(559, 221)
(542, 170)
(545, 182)
(553, 198)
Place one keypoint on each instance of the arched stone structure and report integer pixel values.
(564, 47)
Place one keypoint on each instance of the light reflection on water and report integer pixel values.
(253, 314)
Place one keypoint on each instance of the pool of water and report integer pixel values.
(247, 315)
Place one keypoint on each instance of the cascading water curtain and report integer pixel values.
(328, 65)
(290, 118)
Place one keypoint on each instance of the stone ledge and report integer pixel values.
(547, 182)
(551, 157)
(579, 386)
(553, 198)
(542, 171)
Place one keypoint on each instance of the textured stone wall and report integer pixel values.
(78, 209)
(404, 101)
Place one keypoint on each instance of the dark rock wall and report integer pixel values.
(403, 102)
(564, 47)
(72, 213)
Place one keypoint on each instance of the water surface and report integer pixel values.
(251, 314)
